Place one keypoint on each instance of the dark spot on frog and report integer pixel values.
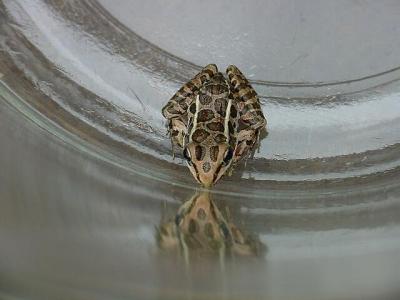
(216, 126)
(206, 167)
(233, 111)
(205, 99)
(218, 88)
(192, 108)
(214, 150)
(200, 135)
(205, 115)
(220, 138)
(199, 152)
(230, 126)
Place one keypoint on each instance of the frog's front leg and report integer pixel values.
(252, 119)
(176, 109)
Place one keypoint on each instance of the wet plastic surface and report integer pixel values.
(87, 172)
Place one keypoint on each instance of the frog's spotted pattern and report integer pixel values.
(200, 135)
(214, 150)
(216, 126)
(216, 120)
(205, 115)
(206, 167)
(200, 152)
(201, 229)
(205, 100)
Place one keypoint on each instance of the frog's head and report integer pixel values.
(198, 224)
(208, 161)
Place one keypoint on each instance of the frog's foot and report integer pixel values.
(247, 140)
(176, 131)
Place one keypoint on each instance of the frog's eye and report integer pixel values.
(228, 155)
(186, 154)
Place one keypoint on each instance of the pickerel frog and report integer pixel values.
(199, 229)
(216, 121)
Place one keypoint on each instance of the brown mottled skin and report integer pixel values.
(216, 121)
(199, 228)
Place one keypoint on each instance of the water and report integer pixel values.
(87, 175)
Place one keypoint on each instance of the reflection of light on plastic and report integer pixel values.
(355, 126)
(97, 70)
(351, 116)
(280, 38)
(322, 193)
(317, 245)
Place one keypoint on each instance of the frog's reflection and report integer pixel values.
(200, 229)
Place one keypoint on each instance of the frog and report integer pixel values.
(200, 229)
(216, 120)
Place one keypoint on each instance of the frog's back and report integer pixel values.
(217, 85)
(208, 113)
